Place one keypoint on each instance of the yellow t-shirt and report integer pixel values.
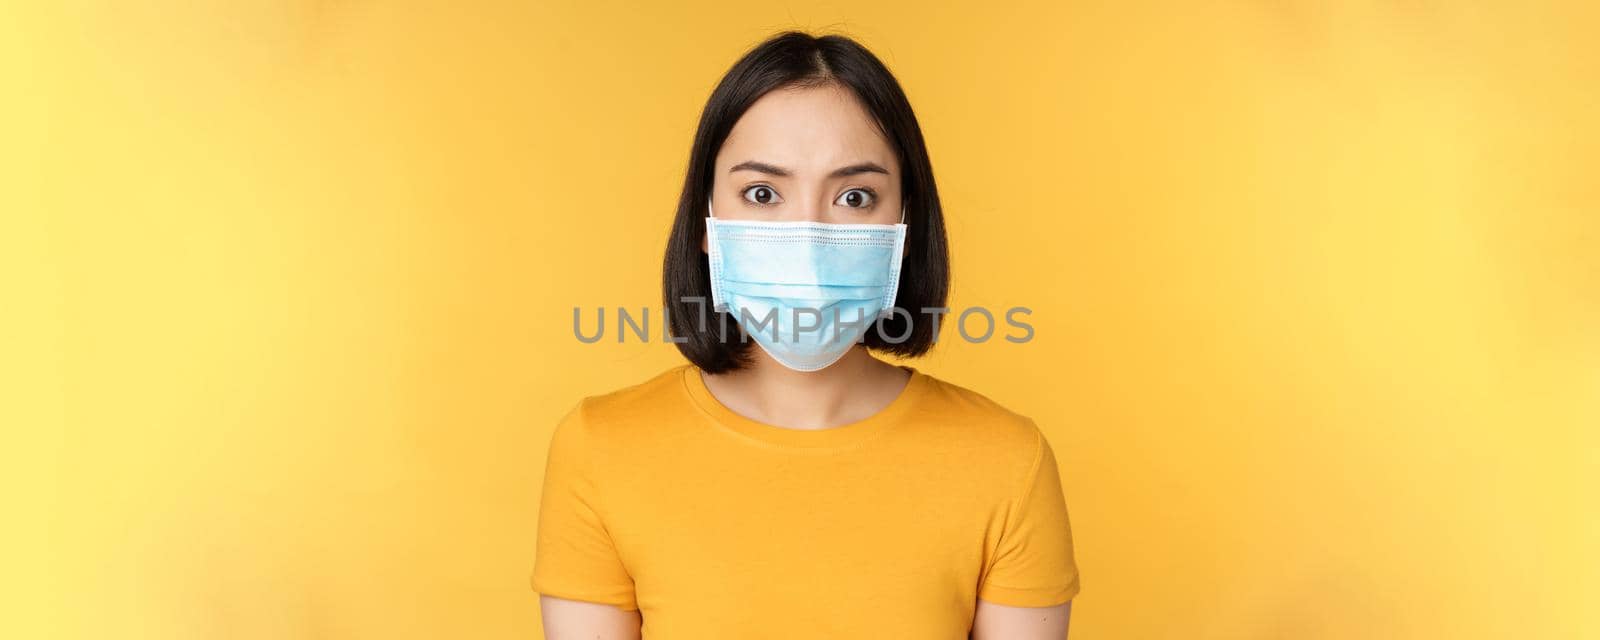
(659, 498)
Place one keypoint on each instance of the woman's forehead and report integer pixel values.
(807, 130)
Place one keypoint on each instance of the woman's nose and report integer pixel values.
(812, 209)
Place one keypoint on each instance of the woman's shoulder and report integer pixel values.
(996, 444)
(975, 418)
(645, 397)
(657, 396)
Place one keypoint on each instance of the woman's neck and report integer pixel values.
(852, 389)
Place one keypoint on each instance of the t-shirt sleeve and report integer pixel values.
(575, 558)
(1034, 565)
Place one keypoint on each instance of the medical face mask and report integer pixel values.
(804, 291)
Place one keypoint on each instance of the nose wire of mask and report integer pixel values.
(773, 276)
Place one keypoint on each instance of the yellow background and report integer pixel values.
(288, 297)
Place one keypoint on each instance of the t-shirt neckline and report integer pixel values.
(845, 435)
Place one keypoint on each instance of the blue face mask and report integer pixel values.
(805, 291)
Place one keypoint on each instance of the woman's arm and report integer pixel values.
(1000, 622)
(577, 620)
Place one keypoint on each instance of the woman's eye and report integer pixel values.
(761, 194)
(856, 199)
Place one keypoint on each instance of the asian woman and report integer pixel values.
(786, 482)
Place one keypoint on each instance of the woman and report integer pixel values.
(786, 483)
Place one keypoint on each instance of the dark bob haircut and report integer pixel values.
(788, 60)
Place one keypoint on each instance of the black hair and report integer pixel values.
(792, 59)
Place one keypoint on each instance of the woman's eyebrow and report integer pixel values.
(864, 167)
(854, 169)
(762, 167)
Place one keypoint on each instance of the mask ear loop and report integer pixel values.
(899, 248)
(714, 258)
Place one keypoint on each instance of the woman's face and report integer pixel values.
(807, 154)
